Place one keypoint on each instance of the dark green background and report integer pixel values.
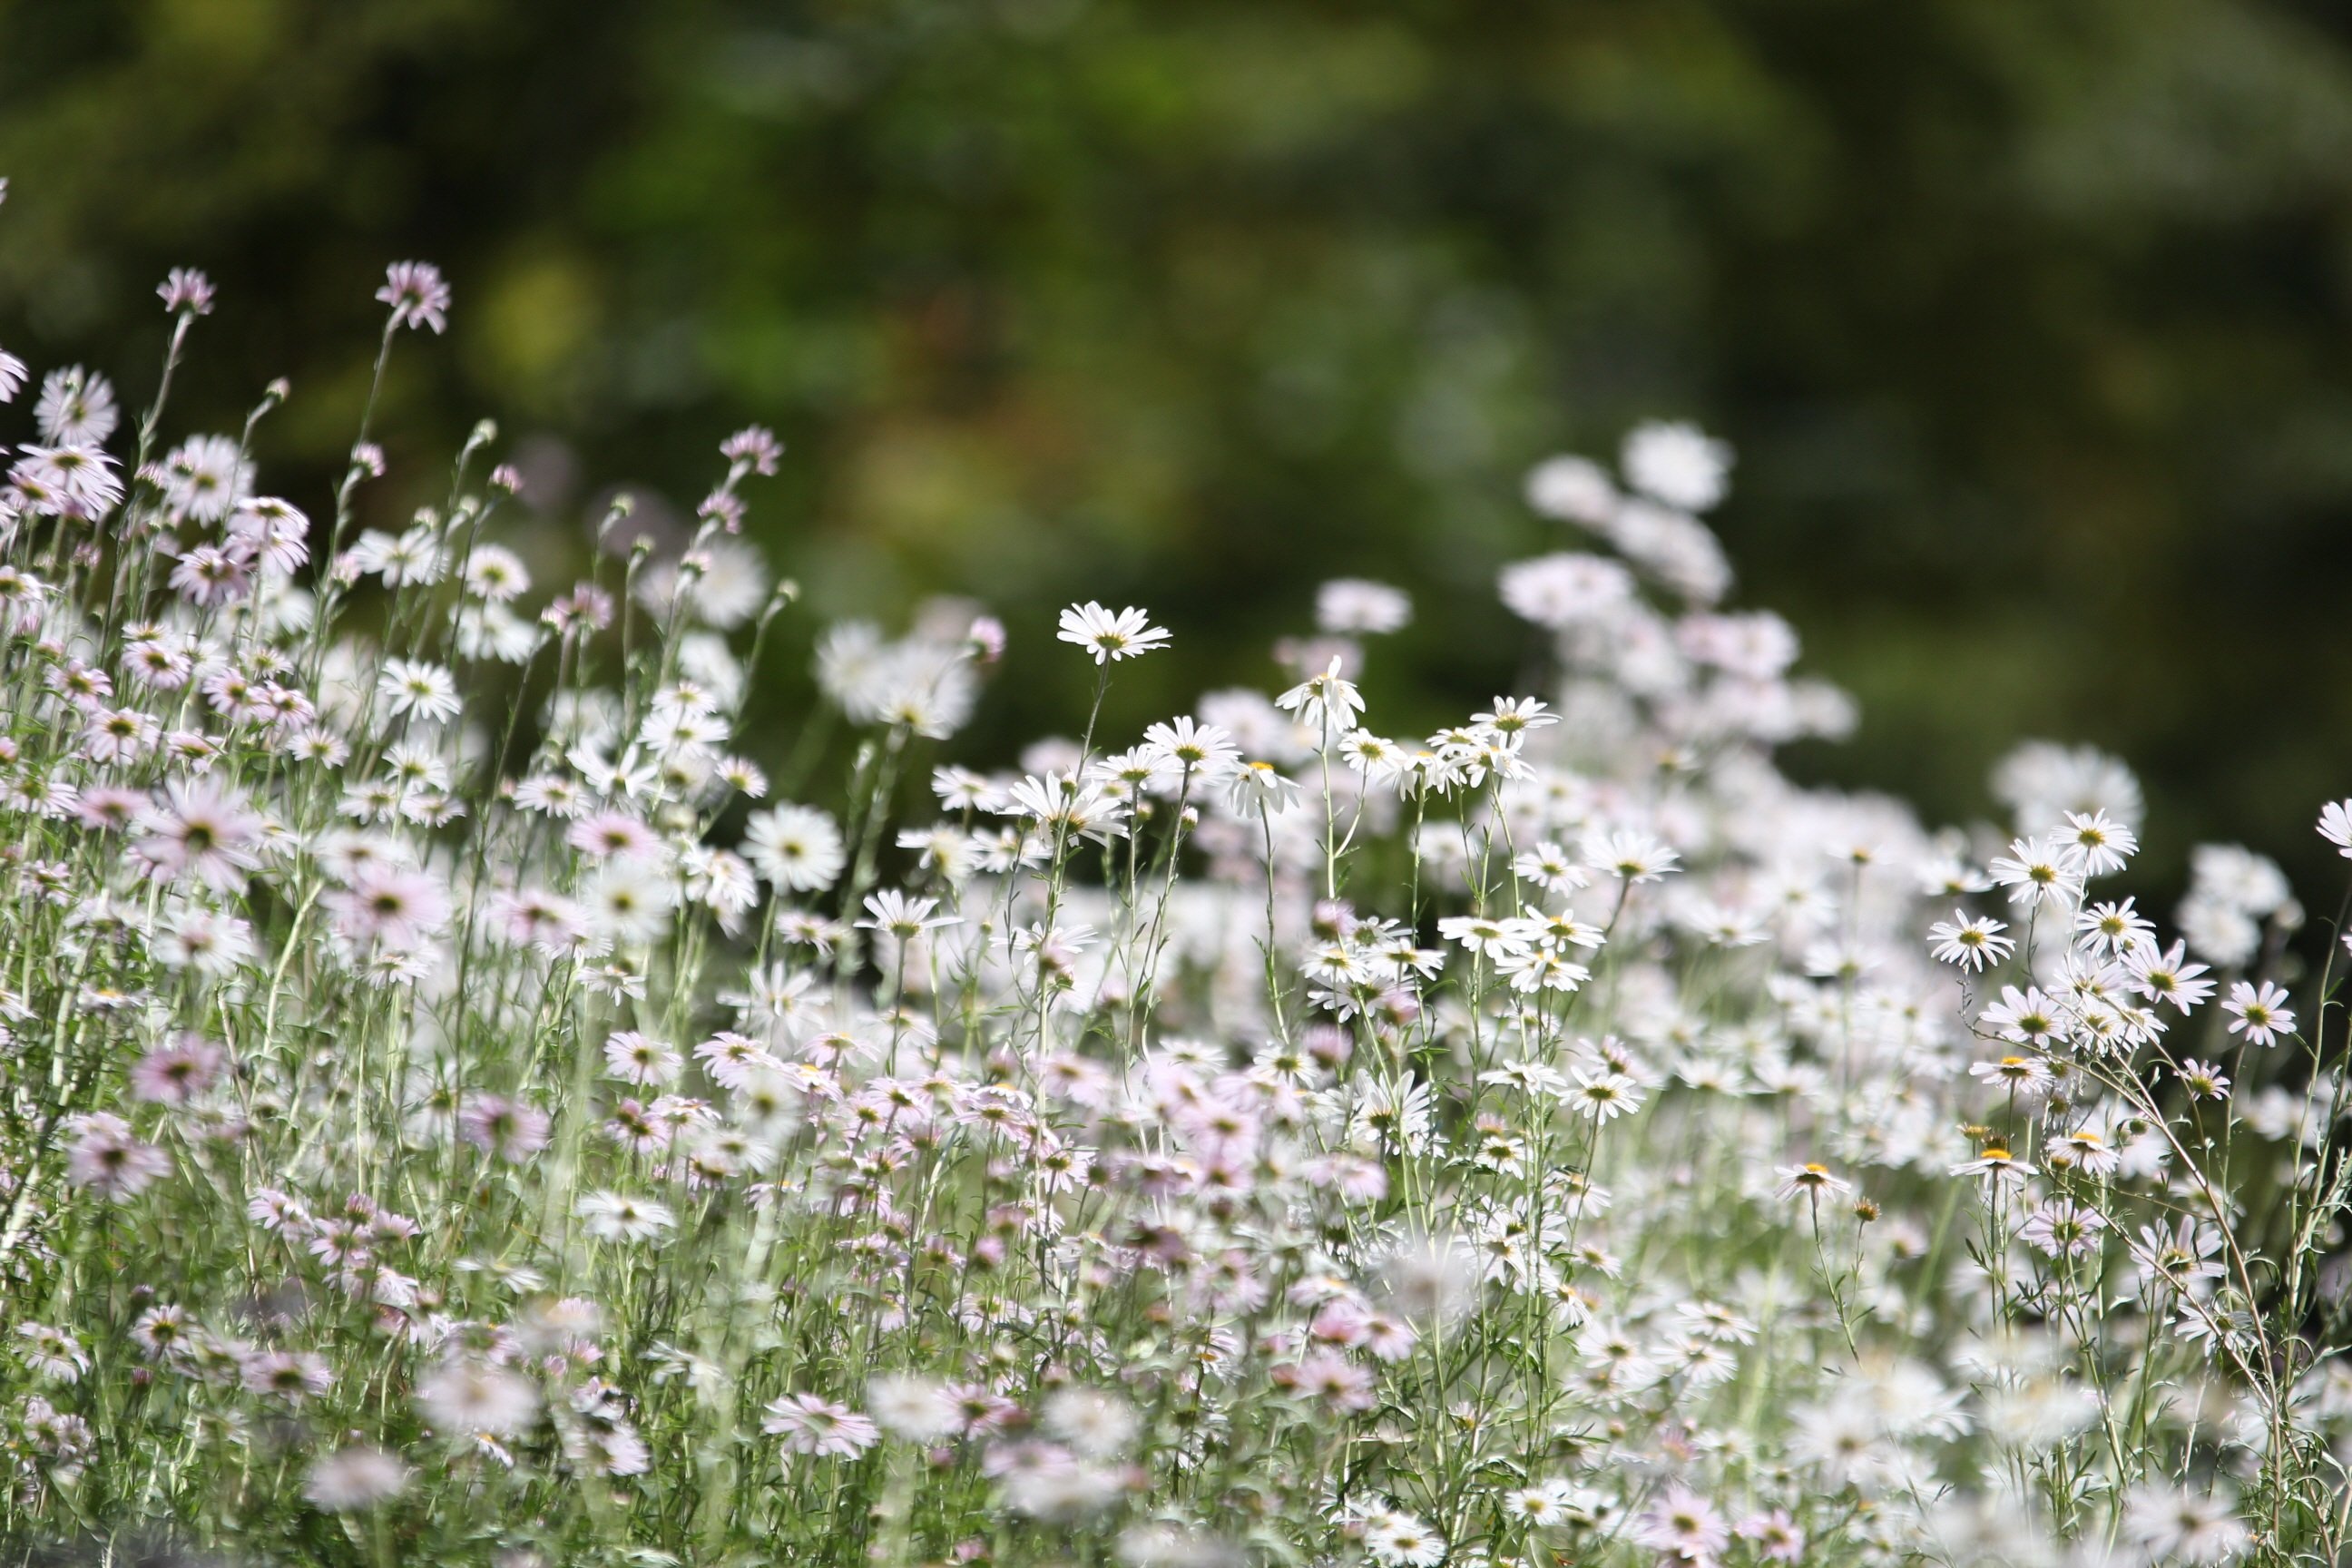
(2029, 318)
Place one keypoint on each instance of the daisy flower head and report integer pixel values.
(2259, 1013)
(1566, 589)
(393, 905)
(816, 1427)
(2104, 843)
(2185, 1524)
(1550, 868)
(1774, 1536)
(641, 1059)
(411, 559)
(1513, 717)
(1350, 607)
(496, 573)
(206, 476)
(1132, 774)
(1193, 747)
(1378, 759)
(1063, 805)
(2167, 975)
(892, 913)
(1487, 935)
(2203, 1080)
(624, 1217)
(411, 686)
(176, 1073)
(120, 735)
(755, 447)
(1129, 634)
(1676, 463)
(919, 1409)
(469, 1399)
(2335, 825)
(2114, 929)
(1326, 703)
(2184, 1256)
(1970, 941)
(1538, 1508)
(1572, 490)
(2024, 1076)
(292, 1377)
(275, 531)
(75, 408)
(794, 847)
(1098, 1425)
(502, 1128)
(1603, 1094)
(1996, 1165)
(203, 830)
(610, 835)
(1810, 1181)
(2062, 1227)
(418, 295)
(1632, 856)
(2046, 870)
(186, 292)
(52, 1353)
(2026, 1017)
(353, 1479)
(1398, 1540)
(1684, 1526)
(2083, 1149)
(208, 575)
(1258, 786)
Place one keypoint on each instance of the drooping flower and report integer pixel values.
(418, 295)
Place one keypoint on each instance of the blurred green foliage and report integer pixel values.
(2028, 321)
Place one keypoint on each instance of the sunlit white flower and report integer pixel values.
(1399, 1539)
(1676, 463)
(1351, 606)
(1126, 634)
(1573, 489)
(796, 847)
(1199, 754)
(2041, 871)
(1326, 703)
(2259, 1013)
(1810, 1181)
(1971, 942)
(892, 913)
(920, 1409)
(410, 686)
(2335, 825)
(2184, 1524)
(467, 1398)
(75, 408)
(357, 1477)
(2203, 1080)
(2105, 844)
(812, 1426)
(1631, 856)
(2063, 1228)
(624, 1217)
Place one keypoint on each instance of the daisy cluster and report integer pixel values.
(468, 1099)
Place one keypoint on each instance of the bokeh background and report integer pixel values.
(2031, 324)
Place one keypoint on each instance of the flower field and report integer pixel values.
(471, 1099)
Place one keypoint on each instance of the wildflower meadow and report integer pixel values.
(470, 1098)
